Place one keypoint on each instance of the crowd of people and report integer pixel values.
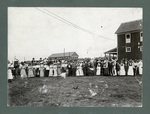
(103, 67)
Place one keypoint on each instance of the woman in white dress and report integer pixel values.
(55, 70)
(30, 71)
(113, 68)
(122, 70)
(23, 71)
(130, 71)
(78, 70)
(10, 76)
(58, 69)
(51, 73)
(140, 67)
(98, 69)
(41, 70)
(81, 70)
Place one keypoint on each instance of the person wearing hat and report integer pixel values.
(78, 69)
(85, 68)
(81, 69)
(110, 67)
(130, 72)
(9, 71)
(46, 73)
(69, 67)
(37, 71)
(117, 68)
(140, 67)
(95, 63)
(58, 68)
(41, 70)
(102, 67)
(126, 66)
(98, 71)
(135, 65)
(122, 70)
(23, 71)
(74, 67)
(30, 70)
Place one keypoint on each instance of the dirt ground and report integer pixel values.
(89, 91)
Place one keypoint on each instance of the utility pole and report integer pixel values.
(64, 53)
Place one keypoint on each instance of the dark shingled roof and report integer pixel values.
(113, 51)
(62, 54)
(130, 26)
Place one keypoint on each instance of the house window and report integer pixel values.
(141, 36)
(128, 49)
(141, 48)
(128, 38)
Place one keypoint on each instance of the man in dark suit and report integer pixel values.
(102, 67)
(69, 67)
(95, 66)
(85, 68)
(110, 67)
(126, 66)
(74, 67)
(117, 68)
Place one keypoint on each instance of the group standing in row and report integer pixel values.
(75, 68)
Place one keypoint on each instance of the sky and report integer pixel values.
(38, 32)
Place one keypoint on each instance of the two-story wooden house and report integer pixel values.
(130, 40)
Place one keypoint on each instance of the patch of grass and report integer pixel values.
(74, 91)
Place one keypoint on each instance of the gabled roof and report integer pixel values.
(130, 26)
(63, 54)
(112, 51)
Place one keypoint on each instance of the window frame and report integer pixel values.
(127, 49)
(141, 36)
(141, 48)
(126, 39)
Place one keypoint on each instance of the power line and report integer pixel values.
(77, 25)
(64, 21)
(70, 23)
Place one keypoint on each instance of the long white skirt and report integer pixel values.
(41, 72)
(98, 71)
(30, 73)
(81, 71)
(23, 73)
(51, 72)
(122, 71)
(10, 76)
(55, 72)
(130, 71)
(140, 70)
(78, 72)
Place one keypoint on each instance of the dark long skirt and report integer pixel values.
(46, 73)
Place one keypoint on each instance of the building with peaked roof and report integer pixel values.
(130, 40)
(65, 56)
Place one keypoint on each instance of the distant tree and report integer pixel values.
(87, 59)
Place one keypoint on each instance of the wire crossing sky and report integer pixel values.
(71, 24)
(41, 31)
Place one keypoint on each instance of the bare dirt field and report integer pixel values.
(89, 91)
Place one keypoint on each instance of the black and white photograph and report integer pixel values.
(75, 57)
